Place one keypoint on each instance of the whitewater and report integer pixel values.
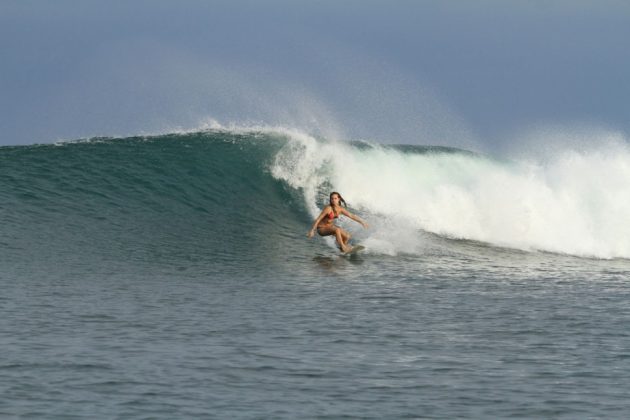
(170, 276)
(572, 203)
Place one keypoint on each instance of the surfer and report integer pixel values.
(324, 222)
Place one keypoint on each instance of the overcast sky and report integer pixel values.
(426, 72)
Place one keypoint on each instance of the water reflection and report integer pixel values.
(337, 263)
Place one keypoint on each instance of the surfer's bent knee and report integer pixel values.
(327, 231)
(322, 232)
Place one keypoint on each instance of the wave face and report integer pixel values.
(156, 200)
(229, 193)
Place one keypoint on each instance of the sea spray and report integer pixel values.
(572, 202)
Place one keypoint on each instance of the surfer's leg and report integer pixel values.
(326, 231)
(346, 236)
(339, 234)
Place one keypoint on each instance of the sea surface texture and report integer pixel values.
(170, 277)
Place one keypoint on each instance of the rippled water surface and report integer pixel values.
(463, 335)
(171, 278)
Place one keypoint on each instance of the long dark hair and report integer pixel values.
(341, 201)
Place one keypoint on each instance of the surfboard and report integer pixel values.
(355, 249)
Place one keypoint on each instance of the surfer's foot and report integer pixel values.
(346, 249)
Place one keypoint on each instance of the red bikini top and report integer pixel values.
(331, 215)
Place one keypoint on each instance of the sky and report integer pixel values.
(460, 73)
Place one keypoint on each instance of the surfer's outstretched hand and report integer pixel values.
(365, 225)
(310, 233)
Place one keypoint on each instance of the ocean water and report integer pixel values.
(171, 277)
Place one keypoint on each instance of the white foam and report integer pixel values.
(573, 202)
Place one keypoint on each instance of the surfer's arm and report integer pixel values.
(319, 219)
(354, 217)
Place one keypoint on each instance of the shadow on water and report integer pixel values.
(337, 263)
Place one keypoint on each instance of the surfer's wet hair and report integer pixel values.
(341, 200)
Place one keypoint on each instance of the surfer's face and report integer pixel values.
(335, 199)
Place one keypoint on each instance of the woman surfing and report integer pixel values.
(324, 222)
